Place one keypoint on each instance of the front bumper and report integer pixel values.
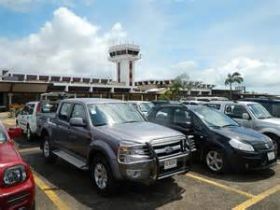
(252, 161)
(18, 196)
(153, 169)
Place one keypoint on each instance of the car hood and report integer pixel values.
(8, 154)
(275, 121)
(140, 132)
(244, 134)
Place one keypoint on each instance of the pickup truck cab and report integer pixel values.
(17, 187)
(113, 140)
(27, 120)
(252, 115)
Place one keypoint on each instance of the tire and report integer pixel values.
(215, 161)
(29, 135)
(101, 176)
(47, 150)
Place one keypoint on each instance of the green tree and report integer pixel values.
(233, 78)
(179, 84)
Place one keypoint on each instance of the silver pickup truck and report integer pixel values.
(113, 141)
(251, 115)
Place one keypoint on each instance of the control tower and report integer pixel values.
(125, 55)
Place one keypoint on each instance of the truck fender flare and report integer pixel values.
(99, 146)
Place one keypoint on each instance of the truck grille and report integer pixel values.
(167, 147)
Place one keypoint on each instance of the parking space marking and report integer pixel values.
(49, 191)
(257, 198)
(222, 186)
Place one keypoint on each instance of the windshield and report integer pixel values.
(259, 111)
(114, 113)
(213, 118)
(146, 107)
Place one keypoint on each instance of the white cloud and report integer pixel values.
(258, 75)
(67, 44)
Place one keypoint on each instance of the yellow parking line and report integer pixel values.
(257, 198)
(50, 193)
(224, 187)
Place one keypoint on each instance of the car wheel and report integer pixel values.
(47, 151)
(29, 134)
(101, 176)
(215, 161)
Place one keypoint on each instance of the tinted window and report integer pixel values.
(64, 112)
(79, 111)
(163, 115)
(181, 116)
(235, 110)
(276, 110)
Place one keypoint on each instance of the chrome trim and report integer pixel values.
(172, 174)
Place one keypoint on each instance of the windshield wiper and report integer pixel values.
(132, 121)
(101, 124)
(229, 125)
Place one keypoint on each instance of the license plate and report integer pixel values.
(170, 164)
(271, 155)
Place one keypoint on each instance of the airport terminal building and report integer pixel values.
(20, 88)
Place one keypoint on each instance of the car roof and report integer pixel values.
(247, 102)
(93, 100)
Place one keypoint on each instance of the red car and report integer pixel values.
(17, 187)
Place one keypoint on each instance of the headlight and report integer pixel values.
(132, 154)
(237, 144)
(14, 175)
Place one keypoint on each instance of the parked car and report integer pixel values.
(272, 105)
(113, 141)
(221, 143)
(17, 187)
(252, 115)
(26, 119)
(142, 106)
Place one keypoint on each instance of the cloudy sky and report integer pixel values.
(205, 38)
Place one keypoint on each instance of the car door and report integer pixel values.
(61, 129)
(236, 112)
(79, 137)
(181, 120)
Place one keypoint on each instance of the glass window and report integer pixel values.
(259, 111)
(235, 111)
(113, 113)
(213, 118)
(163, 115)
(181, 116)
(79, 111)
(65, 111)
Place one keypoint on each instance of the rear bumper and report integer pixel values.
(152, 170)
(252, 161)
(18, 196)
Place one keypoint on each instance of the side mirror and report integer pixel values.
(14, 132)
(77, 122)
(245, 116)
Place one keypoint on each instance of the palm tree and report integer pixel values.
(179, 84)
(233, 78)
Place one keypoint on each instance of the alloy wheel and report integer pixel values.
(46, 149)
(100, 176)
(214, 161)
